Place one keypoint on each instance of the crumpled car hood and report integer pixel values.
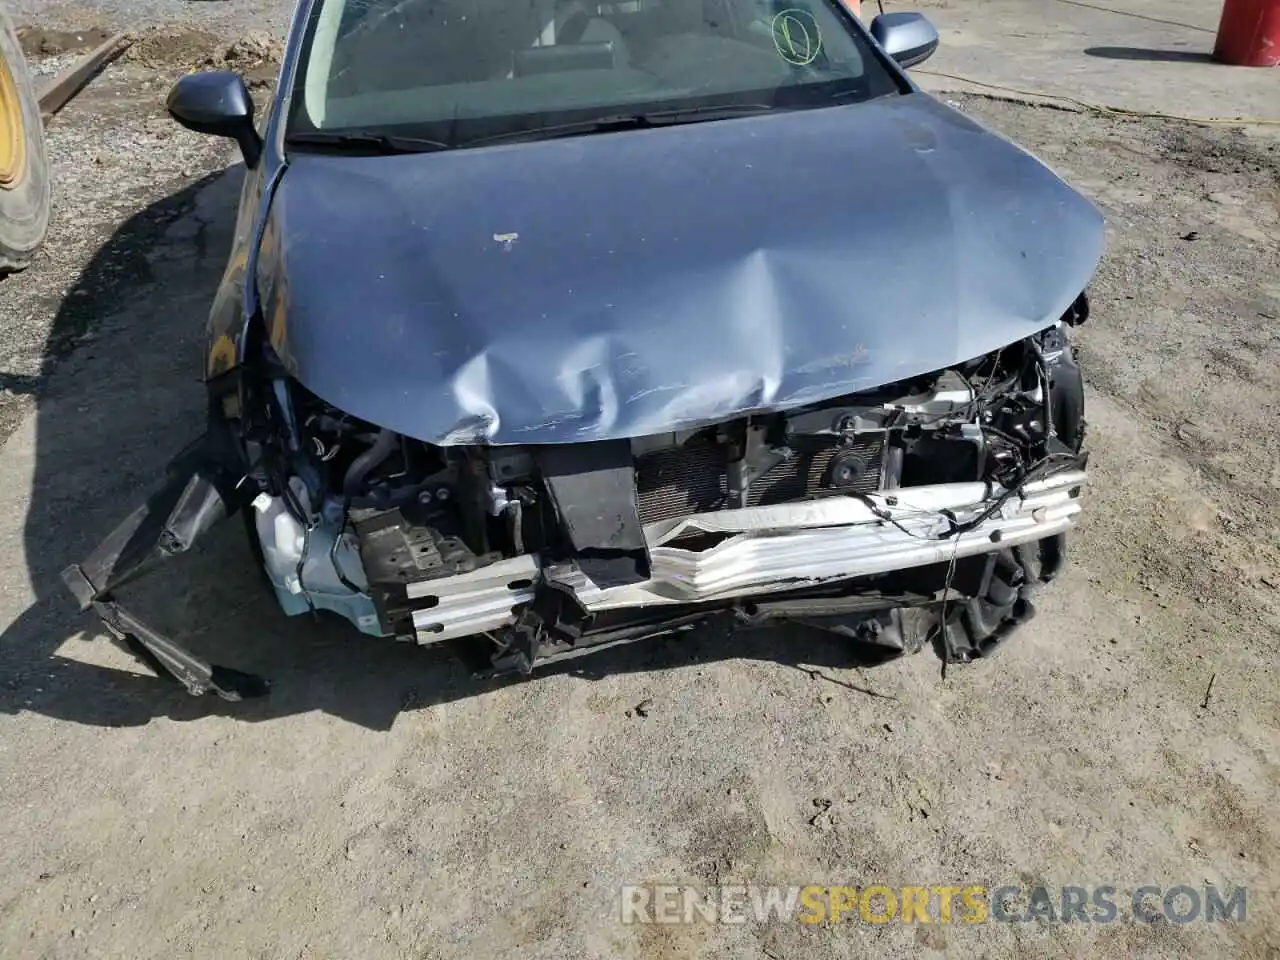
(634, 283)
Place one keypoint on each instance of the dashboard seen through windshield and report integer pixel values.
(452, 72)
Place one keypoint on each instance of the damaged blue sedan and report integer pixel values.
(554, 325)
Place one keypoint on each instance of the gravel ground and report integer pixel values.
(114, 152)
(379, 804)
(225, 16)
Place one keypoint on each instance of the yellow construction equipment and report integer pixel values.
(24, 169)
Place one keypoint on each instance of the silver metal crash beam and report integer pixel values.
(792, 546)
(473, 602)
(764, 549)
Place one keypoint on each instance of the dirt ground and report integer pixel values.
(381, 804)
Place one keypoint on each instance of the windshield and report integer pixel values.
(448, 73)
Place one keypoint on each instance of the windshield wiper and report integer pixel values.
(381, 143)
(633, 121)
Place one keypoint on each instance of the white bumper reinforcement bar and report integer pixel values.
(763, 549)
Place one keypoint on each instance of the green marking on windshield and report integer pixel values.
(796, 36)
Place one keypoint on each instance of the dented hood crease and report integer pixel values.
(634, 283)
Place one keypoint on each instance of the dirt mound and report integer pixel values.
(38, 42)
(256, 54)
(254, 49)
(164, 47)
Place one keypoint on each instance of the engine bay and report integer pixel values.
(928, 510)
(360, 521)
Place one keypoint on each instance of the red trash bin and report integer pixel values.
(1249, 33)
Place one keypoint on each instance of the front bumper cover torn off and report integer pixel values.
(194, 497)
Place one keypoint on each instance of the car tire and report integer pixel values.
(24, 168)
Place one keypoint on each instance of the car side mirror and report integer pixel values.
(907, 37)
(218, 103)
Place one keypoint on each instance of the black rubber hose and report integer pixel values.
(361, 466)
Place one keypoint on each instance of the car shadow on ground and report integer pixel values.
(109, 418)
(1149, 55)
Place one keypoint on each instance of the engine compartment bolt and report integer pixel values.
(442, 493)
(425, 497)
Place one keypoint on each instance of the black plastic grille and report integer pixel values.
(693, 478)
